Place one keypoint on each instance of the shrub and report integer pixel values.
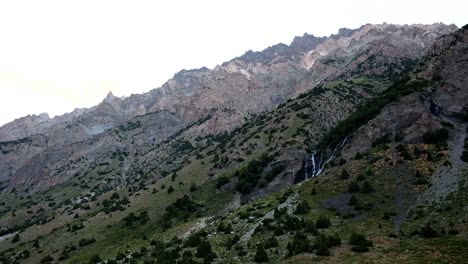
(271, 242)
(436, 137)
(204, 249)
(299, 245)
(208, 258)
(360, 249)
(225, 228)
(353, 187)
(231, 242)
(309, 227)
(367, 187)
(344, 174)
(302, 208)
(323, 222)
(250, 175)
(385, 139)
(170, 190)
(464, 156)
(47, 259)
(261, 255)
(428, 232)
(95, 259)
(193, 241)
(292, 223)
(314, 191)
(15, 239)
(386, 217)
(181, 209)
(120, 256)
(360, 177)
(131, 218)
(221, 181)
(359, 239)
(85, 242)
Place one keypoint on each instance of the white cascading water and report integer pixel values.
(315, 163)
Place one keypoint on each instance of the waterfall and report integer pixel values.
(306, 166)
(315, 162)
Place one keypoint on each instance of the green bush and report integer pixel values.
(360, 249)
(299, 245)
(360, 177)
(95, 260)
(428, 232)
(353, 200)
(47, 259)
(436, 137)
(292, 223)
(344, 174)
(15, 239)
(385, 139)
(359, 241)
(260, 255)
(193, 241)
(250, 175)
(322, 222)
(358, 156)
(367, 187)
(464, 156)
(86, 242)
(170, 190)
(302, 208)
(204, 249)
(353, 187)
(271, 242)
(221, 181)
(182, 209)
(131, 218)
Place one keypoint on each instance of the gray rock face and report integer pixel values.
(446, 66)
(223, 97)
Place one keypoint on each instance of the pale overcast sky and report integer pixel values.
(59, 55)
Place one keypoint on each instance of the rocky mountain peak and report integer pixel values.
(110, 97)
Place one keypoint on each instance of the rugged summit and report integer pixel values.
(254, 82)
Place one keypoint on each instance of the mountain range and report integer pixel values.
(321, 150)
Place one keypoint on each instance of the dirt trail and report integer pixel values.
(288, 204)
(5, 237)
(199, 225)
(203, 222)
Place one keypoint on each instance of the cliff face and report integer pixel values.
(222, 97)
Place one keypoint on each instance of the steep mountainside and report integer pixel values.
(222, 98)
(375, 134)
